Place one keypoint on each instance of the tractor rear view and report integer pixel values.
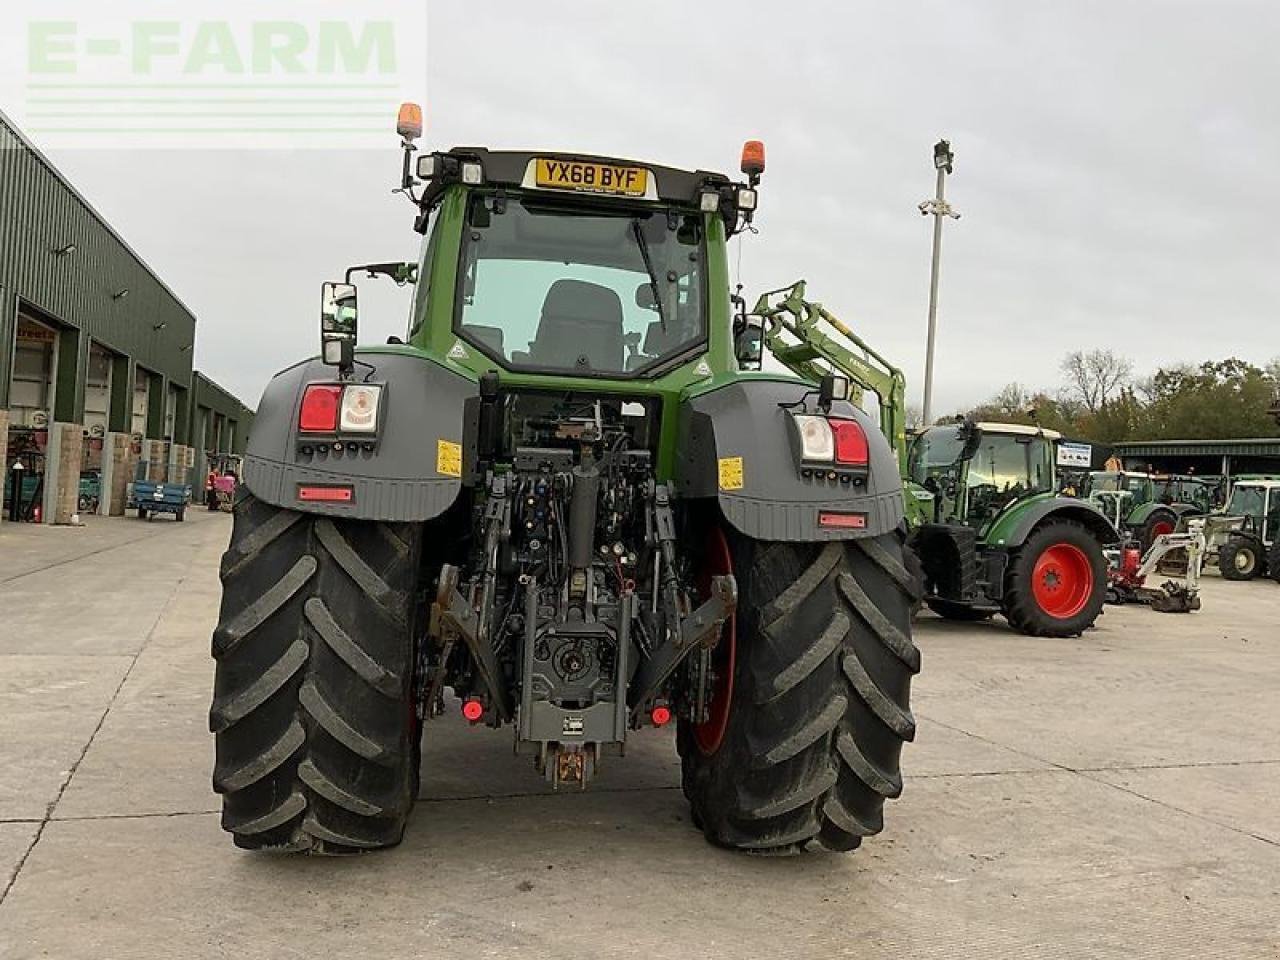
(563, 501)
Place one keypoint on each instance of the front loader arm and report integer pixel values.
(794, 335)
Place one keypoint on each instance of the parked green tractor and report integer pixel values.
(1000, 539)
(1144, 507)
(986, 525)
(564, 500)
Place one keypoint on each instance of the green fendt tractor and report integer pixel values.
(563, 500)
(1000, 538)
(1145, 507)
(989, 531)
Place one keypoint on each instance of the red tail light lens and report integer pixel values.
(850, 442)
(319, 413)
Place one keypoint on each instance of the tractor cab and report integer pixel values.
(976, 470)
(1185, 489)
(597, 273)
(1117, 492)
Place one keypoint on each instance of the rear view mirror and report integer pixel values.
(748, 343)
(338, 324)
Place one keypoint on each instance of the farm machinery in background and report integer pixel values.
(1243, 539)
(1144, 506)
(990, 532)
(221, 481)
(1174, 559)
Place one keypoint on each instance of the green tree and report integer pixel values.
(1218, 400)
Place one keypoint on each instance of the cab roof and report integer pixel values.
(1021, 429)
(508, 167)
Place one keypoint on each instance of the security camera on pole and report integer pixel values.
(939, 208)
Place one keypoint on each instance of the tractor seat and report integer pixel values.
(581, 325)
(490, 337)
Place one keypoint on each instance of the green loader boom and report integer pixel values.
(794, 333)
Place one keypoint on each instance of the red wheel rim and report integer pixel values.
(710, 733)
(1062, 580)
(1160, 528)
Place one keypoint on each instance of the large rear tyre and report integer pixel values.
(1157, 525)
(1056, 582)
(1273, 562)
(312, 705)
(1240, 559)
(821, 655)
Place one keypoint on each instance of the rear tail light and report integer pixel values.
(319, 413)
(832, 440)
(360, 409)
(816, 440)
(332, 407)
(850, 442)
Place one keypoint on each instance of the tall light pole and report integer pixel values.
(938, 208)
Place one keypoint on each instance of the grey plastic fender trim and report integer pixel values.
(749, 419)
(399, 481)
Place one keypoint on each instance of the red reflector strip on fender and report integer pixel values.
(327, 494)
(847, 521)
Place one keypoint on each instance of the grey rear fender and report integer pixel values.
(770, 499)
(410, 475)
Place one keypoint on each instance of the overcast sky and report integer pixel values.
(1115, 167)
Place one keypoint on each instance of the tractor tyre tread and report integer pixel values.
(1227, 554)
(1147, 535)
(312, 709)
(820, 705)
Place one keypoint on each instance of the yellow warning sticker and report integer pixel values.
(448, 458)
(730, 473)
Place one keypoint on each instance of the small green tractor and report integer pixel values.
(1144, 507)
(1244, 537)
(563, 498)
(988, 532)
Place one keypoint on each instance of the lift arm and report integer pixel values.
(793, 332)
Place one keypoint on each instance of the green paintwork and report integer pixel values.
(999, 532)
(795, 331)
(432, 338)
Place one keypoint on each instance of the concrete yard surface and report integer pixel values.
(1113, 795)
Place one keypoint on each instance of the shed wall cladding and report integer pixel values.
(213, 399)
(39, 214)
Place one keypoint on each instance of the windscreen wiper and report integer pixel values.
(643, 244)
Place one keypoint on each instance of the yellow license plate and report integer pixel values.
(592, 177)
